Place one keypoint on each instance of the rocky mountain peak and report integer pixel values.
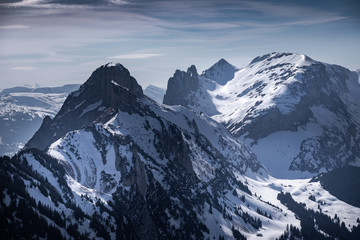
(221, 72)
(110, 87)
(192, 70)
(111, 84)
(103, 79)
(180, 85)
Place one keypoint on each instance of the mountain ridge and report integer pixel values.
(109, 87)
(284, 92)
(135, 169)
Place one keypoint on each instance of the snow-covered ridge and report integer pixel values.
(221, 72)
(288, 95)
(112, 64)
(136, 169)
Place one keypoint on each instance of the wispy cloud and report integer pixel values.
(26, 3)
(46, 4)
(118, 2)
(22, 68)
(9, 27)
(294, 14)
(136, 56)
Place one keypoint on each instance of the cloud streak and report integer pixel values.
(136, 56)
(10, 27)
(26, 3)
(22, 69)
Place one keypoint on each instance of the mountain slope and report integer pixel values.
(134, 169)
(155, 93)
(296, 113)
(22, 110)
(125, 145)
(103, 93)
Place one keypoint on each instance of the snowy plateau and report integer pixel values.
(115, 164)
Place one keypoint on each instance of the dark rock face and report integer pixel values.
(180, 86)
(344, 183)
(109, 87)
(221, 72)
(108, 82)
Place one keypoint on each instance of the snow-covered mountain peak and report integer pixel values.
(109, 87)
(281, 58)
(119, 166)
(281, 96)
(112, 64)
(221, 72)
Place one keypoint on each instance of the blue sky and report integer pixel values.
(56, 42)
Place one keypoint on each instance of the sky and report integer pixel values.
(57, 42)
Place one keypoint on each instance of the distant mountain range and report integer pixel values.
(294, 112)
(22, 111)
(115, 164)
(155, 93)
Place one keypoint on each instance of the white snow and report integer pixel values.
(87, 158)
(91, 107)
(278, 150)
(275, 81)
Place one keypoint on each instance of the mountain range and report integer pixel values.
(298, 115)
(22, 110)
(115, 164)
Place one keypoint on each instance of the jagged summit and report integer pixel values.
(221, 72)
(278, 57)
(110, 87)
(107, 76)
(192, 70)
(180, 85)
